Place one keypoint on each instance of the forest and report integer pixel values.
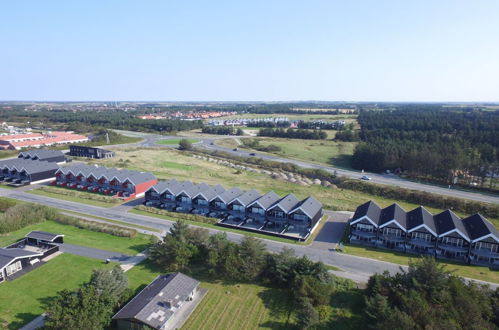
(291, 133)
(445, 146)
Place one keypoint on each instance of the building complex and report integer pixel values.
(444, 235)
(110, 181)
(55, 156)
(269, 213)
(20, 171)
(89, 152)
(37, 140)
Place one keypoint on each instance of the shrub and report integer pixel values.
(6, 203)
(96, 226)
(22, 215)
(184, 216)
(78, 194)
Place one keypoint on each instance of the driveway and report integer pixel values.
(332, 231)
(89, 252)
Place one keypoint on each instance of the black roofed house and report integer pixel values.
(305, 215)
(393, 227)
(421, 232)
(169, 195)
(90, 152)
(13, 260)
(153, 194)
(453, 240)
(37, 237)
(20, 171)
(238, 206)
(219, 204)
(201, 201)
(484, 240)
(52, 156)
(184, 197)
(164, 304)
(364, 224)
(256, 210)
(277, 214)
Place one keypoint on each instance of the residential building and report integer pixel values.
(306, 215)
(20, 171)
(257, 210)
(37, 140)
(53, 156)
(110, 181)
(443, 235)
(163, 304)
(90, 152)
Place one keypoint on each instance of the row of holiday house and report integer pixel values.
(444, 235)
(109, 181)
(245, 209)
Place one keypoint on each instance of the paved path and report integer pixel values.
(349, 263)
(90, 252)
(209, 144)
(332, 231)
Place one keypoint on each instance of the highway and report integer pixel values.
(356, 268)
(388, 179)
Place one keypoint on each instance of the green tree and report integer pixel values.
(252, 254)
(307, 316)
(184, 144)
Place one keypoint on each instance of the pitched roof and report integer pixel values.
(28, 165)
(287, 203)
(195, 189)
(420, 217)
(162, 186)
(43, 235)
(310, 206)
(155, 304)
(247, 197)
(211, 193)
(369, 209)
(478, 227)
(42, 154)
(393, 212)
(230, 194)
(9, 255)
(98, 172)
(448, 221)
(267, 200)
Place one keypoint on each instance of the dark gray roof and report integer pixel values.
(43, 235)
(9, 255)
(28, 165)
(230, 194)
(161, 186)
(267, 200)
(98, 172)
(310, 206)
(211, 192)
(287, 203)
(248, 197)
(195, 189)
(393, 212)
(153, 305)
(41, 153)
(176, 188)
(447, 221)
(477, 226)
(420, 216)
(369, 209)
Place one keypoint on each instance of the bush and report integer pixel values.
(22, 215)
(95, 226)
(78, 194)
(6, 203)
(183, 216)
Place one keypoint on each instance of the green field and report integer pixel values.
(328, 152)
(476, 272)
(74, 235)
(24, 298)
(250, 306)
(175, 141)
(78, 196)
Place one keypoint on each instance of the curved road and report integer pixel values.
(209, 144)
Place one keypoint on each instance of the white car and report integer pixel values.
(365, 177)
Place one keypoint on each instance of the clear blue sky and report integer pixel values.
(371, 50)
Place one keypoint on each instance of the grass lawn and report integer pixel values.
(175, 141)
(74, 235)
(476, 272)
(76, 198)
(319, 151)
(24, 298)
(170, 163)
(250, 306)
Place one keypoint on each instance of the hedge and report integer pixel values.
(96, 226)
(78, 194)
(177, 215)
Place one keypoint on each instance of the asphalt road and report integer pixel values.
(388, 179)
(358, 267)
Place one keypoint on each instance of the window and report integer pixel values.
(202, 201)
(486, 246)
(185, 199)
(220, 205)
(421, 236)
(453, 241)
(237, 207)
(392, 232)
(257, 210)
(278, 214)
(15, 267)
(365, 227)
(301, 217)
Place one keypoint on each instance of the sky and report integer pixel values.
(355, 50)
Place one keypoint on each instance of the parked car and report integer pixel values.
(235, 149)
(365, 177)
(252, 154)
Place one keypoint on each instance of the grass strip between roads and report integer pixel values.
(73, 198)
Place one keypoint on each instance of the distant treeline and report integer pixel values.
(291, 133)
(222, 130)
(439, 145)
(84, 121)
(272, 124)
